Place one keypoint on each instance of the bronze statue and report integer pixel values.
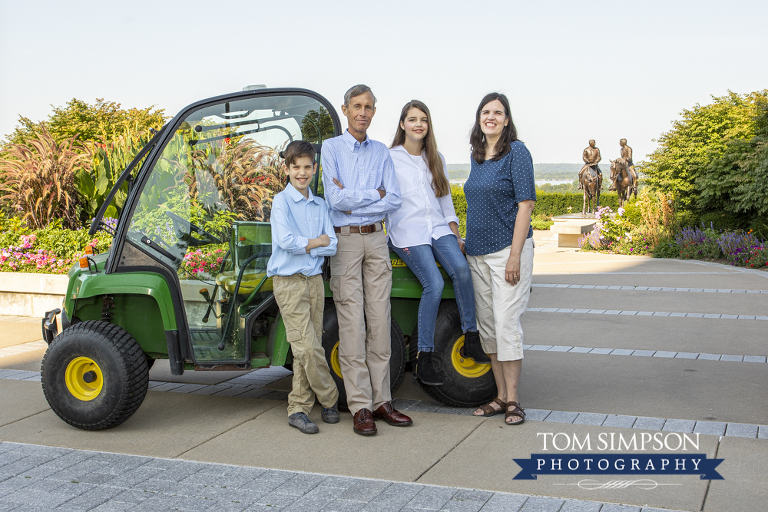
(591, 184)
(591, 157)
(626, 154)
(622, 179)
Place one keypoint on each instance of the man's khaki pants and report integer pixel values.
(361, 281)
(301, 301)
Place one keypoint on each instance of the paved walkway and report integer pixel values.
(615, 345)
(47, 478)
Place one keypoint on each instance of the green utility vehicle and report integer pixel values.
(185, 277)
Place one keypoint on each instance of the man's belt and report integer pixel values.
(363, 230)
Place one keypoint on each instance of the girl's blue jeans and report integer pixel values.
(421, 259)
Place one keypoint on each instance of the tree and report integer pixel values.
(317, 125)
(104, 120)
(699, 138)
(737, 180)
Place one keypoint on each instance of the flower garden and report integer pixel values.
(635, 230)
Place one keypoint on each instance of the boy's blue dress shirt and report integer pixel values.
(294, 221)
(362, 168)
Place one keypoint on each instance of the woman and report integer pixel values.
(500, 196)
(426, 229)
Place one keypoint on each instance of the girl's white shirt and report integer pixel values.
(422, 216)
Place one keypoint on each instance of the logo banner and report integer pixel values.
(618, 464)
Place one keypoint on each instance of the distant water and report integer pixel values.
(538, 182)
(554, 182)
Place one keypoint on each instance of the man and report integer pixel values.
(591, 157)
(626, 154)
(360, 188)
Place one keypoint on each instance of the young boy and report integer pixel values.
(302, 235)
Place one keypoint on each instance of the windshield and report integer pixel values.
(222, 164)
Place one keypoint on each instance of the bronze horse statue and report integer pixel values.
(591, 182)
(622, 179)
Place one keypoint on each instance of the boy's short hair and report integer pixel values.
(298, 149)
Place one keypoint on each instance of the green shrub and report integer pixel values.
(552, 204)
(633, 215)
(547, 206)
(687, 218)
(667, 248)
(460, 205)
(759, 227)
(723, 220)
(49, 250)
(11, 229)
(706, 250)
(70, 243)
(541, 222)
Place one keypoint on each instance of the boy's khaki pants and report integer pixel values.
(301, 301)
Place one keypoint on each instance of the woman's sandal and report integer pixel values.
(488, 410)
(514, 409)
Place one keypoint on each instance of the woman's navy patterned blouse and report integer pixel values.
(493, 190)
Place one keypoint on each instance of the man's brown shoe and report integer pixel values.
(364, 424)
(391, 415)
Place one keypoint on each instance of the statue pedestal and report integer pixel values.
(571, 227)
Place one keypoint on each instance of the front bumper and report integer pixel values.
(54, 322)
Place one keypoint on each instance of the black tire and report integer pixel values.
(117, 367)
(465, 383)
(331, 346)
(413, 349)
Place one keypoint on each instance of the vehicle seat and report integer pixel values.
(228, 281)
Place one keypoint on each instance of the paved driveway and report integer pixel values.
(616, 345)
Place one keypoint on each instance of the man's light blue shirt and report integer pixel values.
(362, 168)
(294, 221)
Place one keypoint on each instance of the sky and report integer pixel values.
(573, 71)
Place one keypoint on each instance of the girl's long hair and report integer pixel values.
(477, 137)
(428, 145)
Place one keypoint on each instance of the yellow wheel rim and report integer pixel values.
(466, 366)
(83, 378)
(335, 366)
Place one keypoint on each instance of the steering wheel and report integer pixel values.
(187, 227)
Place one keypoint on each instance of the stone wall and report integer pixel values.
(31, 295)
